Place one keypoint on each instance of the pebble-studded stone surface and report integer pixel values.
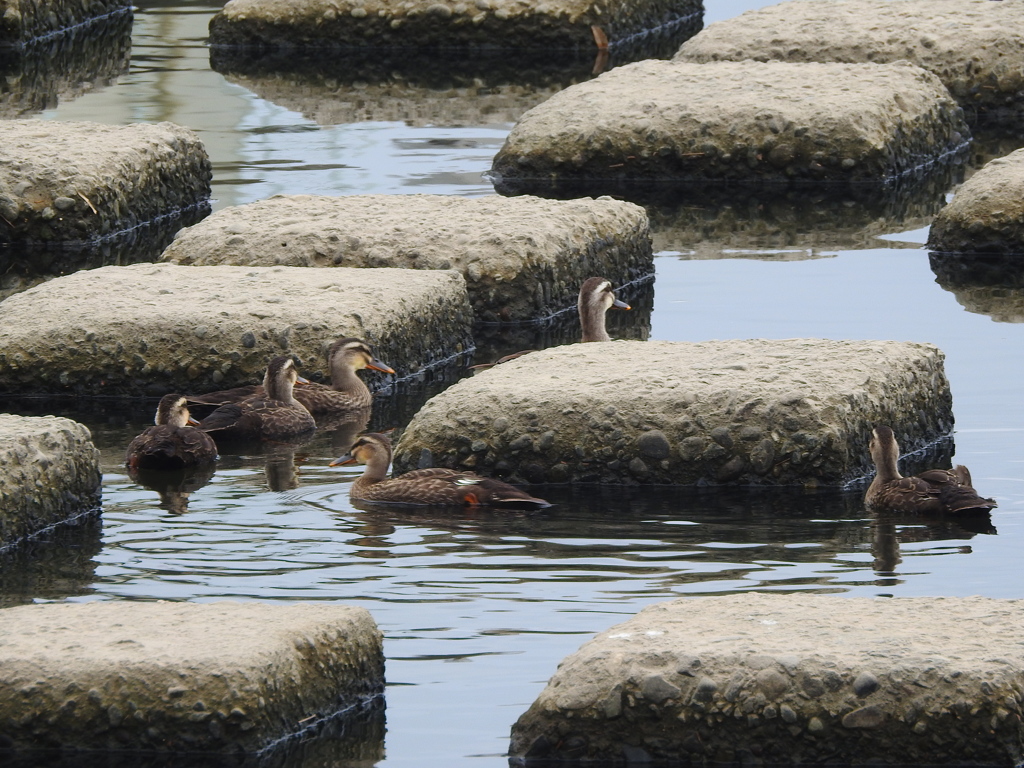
(149, 329)
(523, 258)
(754, 411)
(178, 676)
(51, 473)
(735, 121)
(789, 679)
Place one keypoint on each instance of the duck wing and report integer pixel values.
(166, 447)
(236, 395)
(321, 399)
(440, 486)
(933, 491)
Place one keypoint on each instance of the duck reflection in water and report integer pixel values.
(174, 486)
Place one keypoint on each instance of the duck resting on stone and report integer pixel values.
(173, 442)
(277, 415)
(347, 391)
(935, 491)
(434, 486)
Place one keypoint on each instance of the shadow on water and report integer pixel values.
(983, 283)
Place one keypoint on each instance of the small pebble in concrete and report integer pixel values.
(944, 696)
(151, 329)
(683, 418)
(49, 474)
(986, 215)
(974, 46)
(74, 182)
(741, 121)
(172, 676)
(523, 258)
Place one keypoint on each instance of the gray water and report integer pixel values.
(479, 607)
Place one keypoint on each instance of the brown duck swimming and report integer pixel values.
(346, 393)
(933, 491)
(436, 486)
(275, 416)
(172, 443)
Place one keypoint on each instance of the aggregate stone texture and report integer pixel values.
(755, 411)
(789, 680)
(25, 21)
(177, 676)
(522, 258)
(49, 474)
(148, 329)
(986, 215)
(736, 121)
(63, 181)
(976, 47)
(540, 25)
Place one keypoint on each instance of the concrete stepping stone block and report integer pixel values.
(734, 121)
(24, 22)
(62, 181)
(974, 46)
(788, 679)
(176, 676)
(986, 215)
(523, 258)
(148, 329)
(49, 474)
(750, 412)
(441, 24)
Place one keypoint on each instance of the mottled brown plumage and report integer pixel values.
(171, 443)
(935, 491)
(277, 416)
(346, 393)
(435, 486)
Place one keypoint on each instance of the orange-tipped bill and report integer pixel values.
(192, 421)
(620, 304)
(377, 365)
(302, 380)
(348, 458)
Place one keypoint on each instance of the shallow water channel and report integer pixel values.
(478, 608)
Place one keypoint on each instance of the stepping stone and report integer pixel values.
(973, 46)
(750, 412)
(445, 24)
(788, 679)
(986, 215)
(49, 475)
(748, 121)
(176, 676)
(523, 258)
(149, 329)
(25, 22)
(80, 181)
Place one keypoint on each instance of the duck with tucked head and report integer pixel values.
(935, 491)
(274, 416)
(173, 442)
(434, 486)
(347, 391)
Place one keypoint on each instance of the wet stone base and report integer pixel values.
(985, 283)
(522, 258)
(81, 181)
(49, 475)
(973, 46)
(749, 412)
(788, 680)
(483, 24)
(746, 121)
(174, 677)
(987, 213)
(149, 329)
(27, 22)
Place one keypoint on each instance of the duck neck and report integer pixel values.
(376, 469)
(281, 390)
(344, 379)
(886, 465)
(592, 321)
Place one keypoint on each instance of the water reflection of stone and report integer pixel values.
(54, 565)
(421, 87)
(64, 67)
(986, 284)
(174, 486)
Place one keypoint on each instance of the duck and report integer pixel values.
(173, 442)
(434, 486)
(934, 491)
(596, 297)
(277, 415)
(347, 391)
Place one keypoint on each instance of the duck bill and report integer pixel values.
(302, 381)
(192, 422)
(620, 304)
(343, 460)
(377, 365)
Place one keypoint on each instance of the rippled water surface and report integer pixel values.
(479, 607)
